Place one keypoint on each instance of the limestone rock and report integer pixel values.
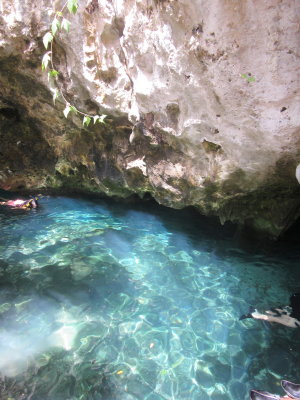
(201, 99)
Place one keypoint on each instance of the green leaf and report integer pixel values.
(244, 76)
(251, 79)
(72, 6)
(59, 13)
(101, 119)
(55, 26)
(67, 110)
(73, 109)
(52, 74)
(86, 120)
(45, 60)
(98, 118)
(47, 39)
(55, 95)
(65, 25)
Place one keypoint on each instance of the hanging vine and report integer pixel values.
(60, 22)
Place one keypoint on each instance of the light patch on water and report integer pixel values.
(64, 337)
(28, 329)
(23, 334)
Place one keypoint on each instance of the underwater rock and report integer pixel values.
(137, 387)
(279, 362)
(42, 359)
(237, 390)
(221, 372)
(80, 270)
(204, 378)
(149, 370)
(5, 307)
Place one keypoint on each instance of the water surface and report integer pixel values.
(100, 300)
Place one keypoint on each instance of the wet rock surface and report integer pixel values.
(201, 106)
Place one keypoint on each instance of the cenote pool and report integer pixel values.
(101, 300)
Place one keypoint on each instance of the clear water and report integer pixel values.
(99, 300)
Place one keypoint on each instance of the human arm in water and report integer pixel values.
(14, 203)
(288, 316)
(284, 318)
(279, 315)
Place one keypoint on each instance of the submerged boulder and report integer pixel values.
(200, 101)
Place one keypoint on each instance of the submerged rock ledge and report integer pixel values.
(185, 123)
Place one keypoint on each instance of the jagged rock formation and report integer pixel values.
(201, 99)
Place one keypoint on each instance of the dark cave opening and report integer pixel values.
(292, 234)
(10, 113)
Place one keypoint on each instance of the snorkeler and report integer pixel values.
(291, 389)
(288, 315)
(24, 204)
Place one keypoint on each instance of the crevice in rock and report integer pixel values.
(10, 113)
(292, 234)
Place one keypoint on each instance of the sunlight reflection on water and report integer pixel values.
(99, 300)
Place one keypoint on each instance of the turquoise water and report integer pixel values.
(100, 300)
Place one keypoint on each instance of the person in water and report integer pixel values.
(288, 315)
(24, 204)
(291, 389)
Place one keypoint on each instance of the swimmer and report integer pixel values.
(288, 315)
(24, 204)
(292, 391)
